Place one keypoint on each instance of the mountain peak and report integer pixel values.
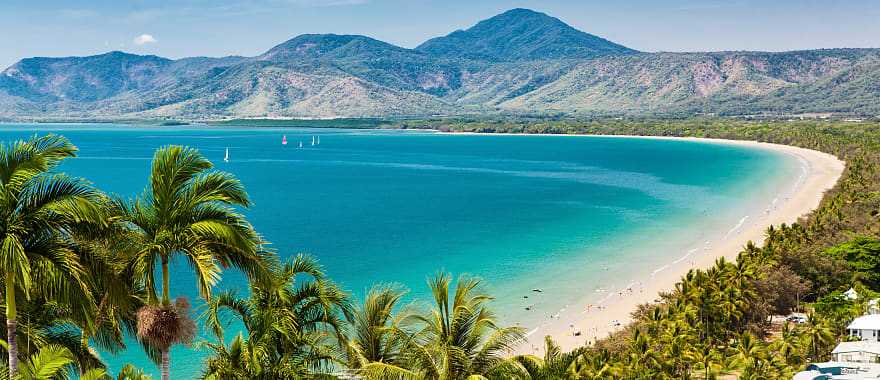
(523, 12)
(521, 34)
(314, 46)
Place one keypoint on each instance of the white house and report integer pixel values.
(851, 294)
(852, 360)
(866, 328)
(857, 352)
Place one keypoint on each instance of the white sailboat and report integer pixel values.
(313, 140)
(300, 144)
(226, 158)
(319, 140)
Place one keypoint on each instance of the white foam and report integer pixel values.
(737, 227)
(658, 270)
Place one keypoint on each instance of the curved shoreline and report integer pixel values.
(821, 173)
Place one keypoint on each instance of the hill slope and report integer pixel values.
(521, 34)
(518, 62)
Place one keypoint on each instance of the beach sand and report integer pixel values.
(595, 320)
(821, 174)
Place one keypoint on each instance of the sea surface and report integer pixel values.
(570, 215)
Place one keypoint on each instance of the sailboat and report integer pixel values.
(313, 140)
(226, 158)
(319, 140)
(300, 144)
(284, 140)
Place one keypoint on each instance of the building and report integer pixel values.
(865, 328)
(858, 359)
(857, 352)
(851, 294)
(839, 371)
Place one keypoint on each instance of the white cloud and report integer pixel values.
(144, 39)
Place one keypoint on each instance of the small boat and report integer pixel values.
(300, 144)
(319, 140)
(284, 140)
(226, 158)
(313, 140)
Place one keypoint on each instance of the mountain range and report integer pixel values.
(518, 62)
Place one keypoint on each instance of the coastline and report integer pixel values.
(820, 173)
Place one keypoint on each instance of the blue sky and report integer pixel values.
(224, 27)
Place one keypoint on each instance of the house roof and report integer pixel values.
(844, 347)
(866, 322)
(810, 375)
(851, 294)
(855, 371)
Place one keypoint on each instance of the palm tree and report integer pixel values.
(708, 360)
(49, 363)
(188, 211)
(787, 345)
(816, 336)
(555, 365)
(130, 372)
(38, 209)
(293, 323)
(460, 336)
(243, 360)
(597, 365)
(643, 360)
(377, 336)
(105, 254)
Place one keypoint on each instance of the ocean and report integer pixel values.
(571, 215)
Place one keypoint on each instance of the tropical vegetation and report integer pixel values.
(83, 269)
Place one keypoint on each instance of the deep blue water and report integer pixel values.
(566, 214)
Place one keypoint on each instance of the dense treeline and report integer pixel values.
(82, 270)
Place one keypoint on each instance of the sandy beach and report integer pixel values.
(592, 318)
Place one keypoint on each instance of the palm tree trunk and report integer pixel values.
(166, 299)
(166, 364)
(84, 345)
(11, 325)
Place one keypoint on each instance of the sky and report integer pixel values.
(185, 28)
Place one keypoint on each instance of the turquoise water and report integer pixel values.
(566, 214)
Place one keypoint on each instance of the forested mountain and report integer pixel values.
(521, 35)
(521, 61)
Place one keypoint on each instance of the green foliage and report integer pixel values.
(293, 325)
(862, 255)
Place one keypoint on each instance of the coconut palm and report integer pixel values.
(787, 345)
(293, 323)
(816, 336)
(104, 254)
(460, 336)
(49, 363)
(242, 360)
(130, 372)
(377, 337)
(708, 360)
(597, 365)
(555, 365)
(187, 211)
(38, 210)
(38, 326)
(643, 360)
